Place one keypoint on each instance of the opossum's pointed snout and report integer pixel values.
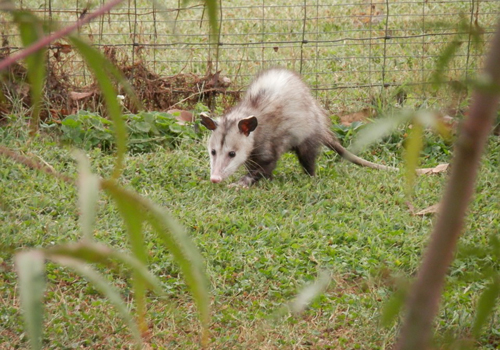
(215, 179)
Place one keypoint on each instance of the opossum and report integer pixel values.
(276, 115)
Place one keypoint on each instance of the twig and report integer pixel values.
(193, 95)
(56, 35)
(30, 163)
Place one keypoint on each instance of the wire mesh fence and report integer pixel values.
(351, 52)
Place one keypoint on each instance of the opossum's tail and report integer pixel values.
(333, 143)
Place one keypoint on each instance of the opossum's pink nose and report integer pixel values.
(215, 179)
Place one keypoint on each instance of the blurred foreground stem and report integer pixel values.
(19, 55)
(423, 301)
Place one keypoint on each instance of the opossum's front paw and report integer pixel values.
(245, 182)
(237, 185)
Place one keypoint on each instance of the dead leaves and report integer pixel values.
(76, 96)
(370, 14)
(367, 113)
(360, 116)
(433, 209)
(59, 49)
(436, 170)
(182, 116)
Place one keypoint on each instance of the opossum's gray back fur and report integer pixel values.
(285, 109)
(282, 115)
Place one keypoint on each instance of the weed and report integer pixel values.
(436, 148)
(146, 131)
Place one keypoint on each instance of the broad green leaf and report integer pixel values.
(30, 267)
(309, 293)
(88, 194)
(31, 30)
(486, 305)
(71, 121)
(426, 118)
(414, 145)
(443, 61)
(187, 256)
(184, 251)
(139, 288)
(134, 216)
(212, 7)
(143, 126)
(495, 245)
(108, 290)
(117, 75)
(176, 128)
(431, 120)
(484, 83)
(393, 306)
(100, 66)
(99, 253)
(377, 130)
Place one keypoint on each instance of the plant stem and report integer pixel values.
(423, 301)
(30, 163)
(56, 35)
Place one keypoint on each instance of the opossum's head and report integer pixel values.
(229, 145)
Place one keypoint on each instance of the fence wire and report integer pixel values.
(350, 52)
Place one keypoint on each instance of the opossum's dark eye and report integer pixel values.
(232, 154)
(213, 152)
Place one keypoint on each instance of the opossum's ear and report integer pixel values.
(208, 122)
(247, 125)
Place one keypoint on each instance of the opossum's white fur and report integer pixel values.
(276, 115)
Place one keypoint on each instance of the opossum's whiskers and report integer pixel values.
(277, 114)
(253, 165)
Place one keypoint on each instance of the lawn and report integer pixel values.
(261, 247)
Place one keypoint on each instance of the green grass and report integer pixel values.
(261, 247)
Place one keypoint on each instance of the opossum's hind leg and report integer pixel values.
(307, 152)
(257, 171)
